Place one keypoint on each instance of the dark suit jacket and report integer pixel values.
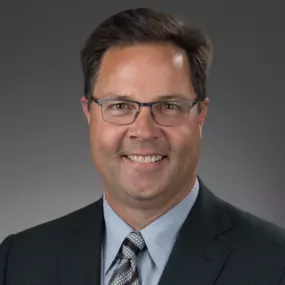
(218, 244)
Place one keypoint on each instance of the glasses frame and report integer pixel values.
(101, 102)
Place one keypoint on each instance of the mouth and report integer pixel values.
(149, 163)
(145, 158)
(150, 160)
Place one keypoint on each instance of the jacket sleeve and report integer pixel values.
(4, 256)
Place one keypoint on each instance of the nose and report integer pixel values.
(144, 127)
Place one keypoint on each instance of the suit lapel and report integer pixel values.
(198, 257)
(80, 259)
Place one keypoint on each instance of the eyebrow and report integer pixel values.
(174, 96)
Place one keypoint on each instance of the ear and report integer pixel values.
(84, 103)
(203, 112)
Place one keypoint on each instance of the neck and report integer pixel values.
(139, 217)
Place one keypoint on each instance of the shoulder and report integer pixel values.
(253, 238)
(253, 226)
(242, 225)
(35, 252)
(56, 230)
(255, 247)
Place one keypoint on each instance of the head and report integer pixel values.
(146, 56)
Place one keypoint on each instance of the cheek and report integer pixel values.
(186, 138)
(104, 138)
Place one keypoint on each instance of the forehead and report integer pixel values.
(148, 69)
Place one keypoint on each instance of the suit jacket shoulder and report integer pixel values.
(257, 248)
(251, 234)
(38, 255)
(254, 227)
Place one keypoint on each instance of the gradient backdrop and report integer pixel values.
(45, 167)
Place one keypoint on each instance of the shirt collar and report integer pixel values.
(159, 236)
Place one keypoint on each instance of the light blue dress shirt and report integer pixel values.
(159, 237)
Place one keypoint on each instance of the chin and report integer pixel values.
(146, 193)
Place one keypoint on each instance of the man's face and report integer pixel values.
(144, 73)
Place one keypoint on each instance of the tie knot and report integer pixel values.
(132, 245)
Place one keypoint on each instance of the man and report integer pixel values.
(157, 223)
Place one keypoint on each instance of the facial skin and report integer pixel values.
(140, 193)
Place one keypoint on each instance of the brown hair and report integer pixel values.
(143, 25)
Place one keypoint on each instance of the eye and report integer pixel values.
(118, 106)
(167, 105)
(171, 106)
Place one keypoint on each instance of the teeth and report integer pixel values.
(145, 159)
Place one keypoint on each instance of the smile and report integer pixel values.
(145, 159)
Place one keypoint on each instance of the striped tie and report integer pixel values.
(126, 272)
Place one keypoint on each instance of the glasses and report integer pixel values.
(125, 112)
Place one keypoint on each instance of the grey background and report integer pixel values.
(45, 167)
